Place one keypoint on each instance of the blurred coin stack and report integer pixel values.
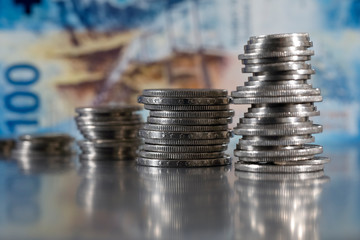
(111, 132)
(46, 144)
(185, 128)
(6, 146)
(276, 129)
(44, 153)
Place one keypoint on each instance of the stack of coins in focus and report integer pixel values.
(276, 129)
(44, 153)
(185, 128)
(111, 132)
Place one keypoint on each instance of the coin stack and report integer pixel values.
(185, 128)
(6, 146)
(44, 145)
(44, 153)
(276, 129)
(111, 132)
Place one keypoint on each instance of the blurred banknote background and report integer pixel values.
(56, 55)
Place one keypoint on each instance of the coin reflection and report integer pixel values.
(29, 164)
(190, 203)
(278, 206)
(108, 196)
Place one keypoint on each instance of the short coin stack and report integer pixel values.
(44, 153)
(111, 132)
(185, 128)
(276, 129)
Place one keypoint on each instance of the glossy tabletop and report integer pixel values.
(62, 199)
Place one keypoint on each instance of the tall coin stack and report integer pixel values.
(111, 132)
(185, 128)
(276, 129)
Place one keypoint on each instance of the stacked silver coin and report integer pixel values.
(44, 145)
(44, 153)
(185, 128)
(276, 129)
(111, 132)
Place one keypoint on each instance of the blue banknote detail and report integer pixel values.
(19, 99)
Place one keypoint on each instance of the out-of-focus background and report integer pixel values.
(56, 55)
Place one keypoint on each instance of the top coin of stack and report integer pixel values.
(276, 129)
(185, 128)
(111, 132)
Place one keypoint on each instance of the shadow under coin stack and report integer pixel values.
(186, 128)
(111, 132)
(276, 129)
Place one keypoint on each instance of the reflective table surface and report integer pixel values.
(62, 199)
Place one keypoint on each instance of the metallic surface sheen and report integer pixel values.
(50, 199)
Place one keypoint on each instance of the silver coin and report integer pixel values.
(275, 159)
(265, 168)
(282, 107)
(109, 123)
(45, 138)
(273, 54)
(184, 135)
(179, 128)
(181, 155)
(280, 85)
(108, 143)
(280, 42)
(283, 114)
(120, 134)
(272, 126)
(280, 77)
(189, 121)
(258, 151)
(129, 118)
(186, 107)
(266, 120)
(107, 110)
(184, 163)
(175, 114)
(280, 36)
(277, 59)
(134, 127)
(186, 142)
(187, 149)
(279, 132)
(183, 101)
(113, 153)
(285, 99)
(276, 49)
(270, 86)
(313, 161)
(276, 93)
(308, 71)
(276, 141)
(268, 46)
(275, 67)
(186, 93)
